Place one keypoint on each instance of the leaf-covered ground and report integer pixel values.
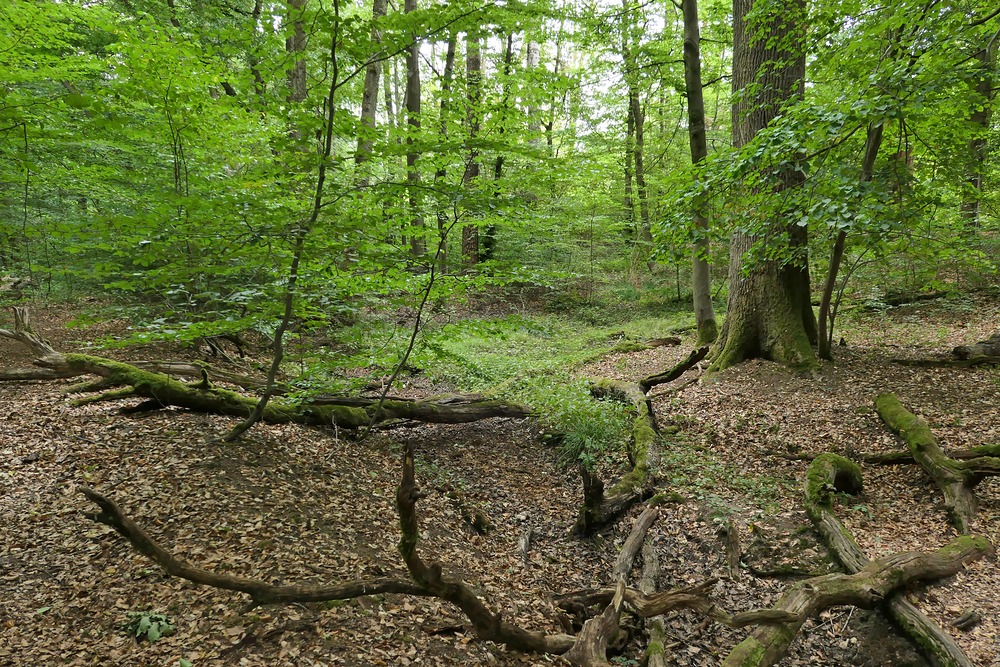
(291, 504)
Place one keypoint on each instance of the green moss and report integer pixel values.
(707, 333)
(627, 346)
(748, 653)
(829, 473)
(655, 648)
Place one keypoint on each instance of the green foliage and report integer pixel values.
(148, 625)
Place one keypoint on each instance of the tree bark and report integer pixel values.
(473, 82)
(769, 313)
(979, 118)
(446, 81)
(701, 284)
(418, 246)
(369, 96)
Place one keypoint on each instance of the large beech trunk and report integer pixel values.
(769, 313)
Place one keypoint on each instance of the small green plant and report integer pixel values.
(148, 625)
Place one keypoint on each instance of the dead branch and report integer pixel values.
(655, 646)
(591, 645)
(830, 473)
(651, 381)
(260, 592)
(432, 577)
(955, 478)
(869, 587)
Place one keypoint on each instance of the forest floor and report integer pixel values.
(292, 505)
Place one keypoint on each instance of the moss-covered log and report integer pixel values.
(603, 507)
(830, 473)
(867, 588)
(204, 397)
(985, 348)
(955, 478)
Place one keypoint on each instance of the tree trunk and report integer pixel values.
(488, 242)
(980, 121)
(769, 313)
(826, 319)
(369, 97)
(628, 202)
(473, 76)
(418, 247)
(704, 313)
(442, 216)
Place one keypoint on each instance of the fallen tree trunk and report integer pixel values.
(150, 380)
(830, 473)
(866, 588)
(202, 397)
(602, 509)
(985, 348)
(956, 479)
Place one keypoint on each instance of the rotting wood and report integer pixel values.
(656, 643)
(695, 597)
(602, 508)
(955, 478)
(591, 645)
(984, 348)
(831, 473)
(986, 360)
(868, 588)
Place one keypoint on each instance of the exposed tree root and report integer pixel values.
(828, 474)
(955, 478)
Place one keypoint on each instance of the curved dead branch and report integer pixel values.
(260, 592)
(432, 577)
